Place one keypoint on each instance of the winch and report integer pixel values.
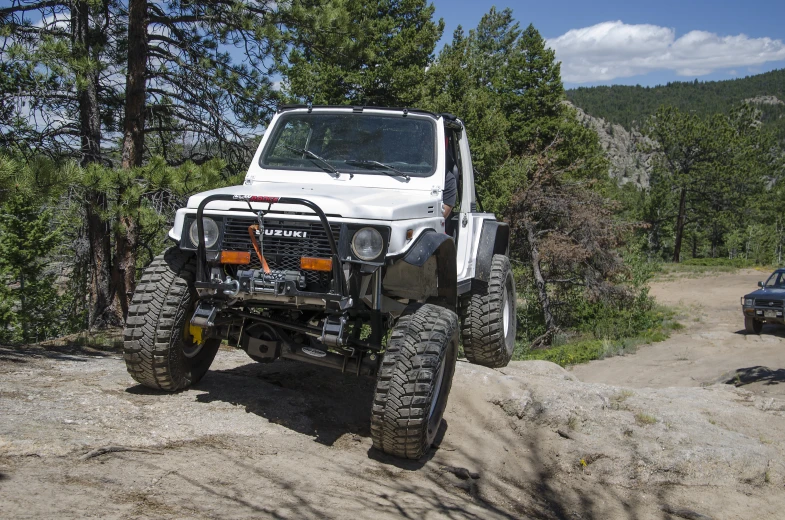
(257, 281)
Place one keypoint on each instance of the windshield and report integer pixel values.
(776, 280)
(349, 142)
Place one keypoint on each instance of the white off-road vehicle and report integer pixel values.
(336, 251)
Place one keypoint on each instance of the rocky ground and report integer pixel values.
(655, 435)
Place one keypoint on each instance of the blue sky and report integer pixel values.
(655, 42)
(602, 42)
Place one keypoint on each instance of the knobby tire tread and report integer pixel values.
(154, 320)
(482, 327)
(419, 343)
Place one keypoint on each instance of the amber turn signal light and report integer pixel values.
(236, 257)
(316, 264)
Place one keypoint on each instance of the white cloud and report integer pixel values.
(55, 20)
(612, 50)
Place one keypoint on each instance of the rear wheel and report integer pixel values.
(752, 325)
(414, 381)
(488, 318)
(161, 348)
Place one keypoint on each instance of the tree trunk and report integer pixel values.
(101, 311)
(102, 293)
(124, 265)
(135, 85)
(127, 231)
(680, 225)
(87, 88)
(539, 280)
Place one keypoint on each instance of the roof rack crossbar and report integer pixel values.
(359, 108)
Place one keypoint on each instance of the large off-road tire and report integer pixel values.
(414, 381)
(752, 325)
(159, 350)
(488, 318)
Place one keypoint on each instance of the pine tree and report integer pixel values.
(29, 303)
(709, 170)
(61, 93)
(360, 52)
(533, 93)
(544, 171)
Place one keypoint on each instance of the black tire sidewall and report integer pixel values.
(448, 359)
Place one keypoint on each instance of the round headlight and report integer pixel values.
(367, 244)
(210, 233)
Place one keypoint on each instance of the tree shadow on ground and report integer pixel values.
(383, 494)
(69, 351)
(334, 410)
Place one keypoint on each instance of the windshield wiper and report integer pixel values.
(392, 171)
(321, 161)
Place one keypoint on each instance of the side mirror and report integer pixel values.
(760, 284)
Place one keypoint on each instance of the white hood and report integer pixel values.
(344, 201)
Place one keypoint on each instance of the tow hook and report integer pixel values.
(231, 287)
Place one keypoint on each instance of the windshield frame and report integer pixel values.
(774, 276)
(340, 165)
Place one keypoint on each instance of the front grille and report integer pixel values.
(768, 303)
(283, 251)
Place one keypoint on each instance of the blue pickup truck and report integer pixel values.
(766, 304)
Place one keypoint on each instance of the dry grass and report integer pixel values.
(644, 419)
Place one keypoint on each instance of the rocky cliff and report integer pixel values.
(629, 163)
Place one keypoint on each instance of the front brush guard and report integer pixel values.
(202, 281)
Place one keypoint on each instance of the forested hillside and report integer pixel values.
(630, 105)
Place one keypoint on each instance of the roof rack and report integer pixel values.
(359, 108)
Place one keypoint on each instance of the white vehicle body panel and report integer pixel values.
(375, 198)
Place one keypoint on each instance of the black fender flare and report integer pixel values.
(442, 247)
(425, 246)
(494, 240)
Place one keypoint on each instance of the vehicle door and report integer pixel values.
(470, 219)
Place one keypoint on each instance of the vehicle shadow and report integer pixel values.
(315, 401)
(756, 374)
(769, 329)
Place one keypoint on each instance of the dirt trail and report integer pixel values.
(290, 441)
(713, 345)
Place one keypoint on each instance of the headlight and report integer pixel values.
(367, 244)
(748, 302)
(210, 233)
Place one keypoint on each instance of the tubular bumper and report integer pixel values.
(202, 280)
